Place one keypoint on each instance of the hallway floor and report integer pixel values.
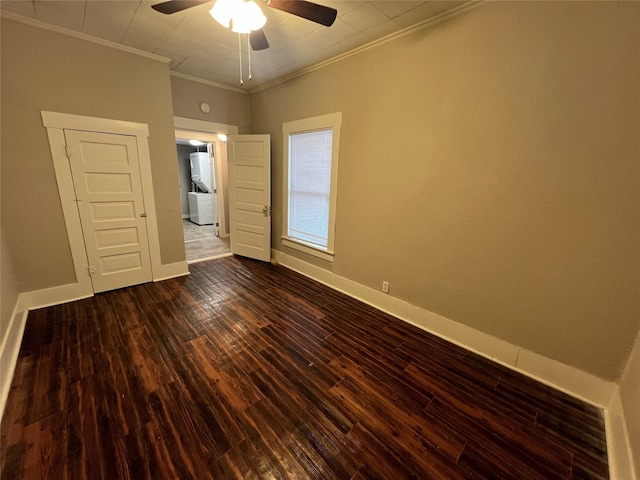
(200, 242)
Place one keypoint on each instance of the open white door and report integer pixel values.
(249, 159)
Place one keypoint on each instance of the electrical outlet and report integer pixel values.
(385, 287)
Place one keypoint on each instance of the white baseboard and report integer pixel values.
(52, 296)
(76, 291)
(570, 380)
(215, 257)
(171, 270)
(9, 350)
(618, 445)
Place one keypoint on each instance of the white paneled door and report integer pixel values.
(108, 188)
(249, 158)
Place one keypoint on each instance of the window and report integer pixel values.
(310, 178)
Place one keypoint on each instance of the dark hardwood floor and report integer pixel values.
(250, 371)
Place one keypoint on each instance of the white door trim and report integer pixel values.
(93, 124)
(183, 123)
(55, 124)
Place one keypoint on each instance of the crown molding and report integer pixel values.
(465, 7)
(118, 46)
(207, 82)
(82, 36)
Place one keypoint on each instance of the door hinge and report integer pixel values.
(92, 270)
(70, 151)
(266, 211)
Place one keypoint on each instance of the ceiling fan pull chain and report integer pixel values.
(249, 56)
(240, 56)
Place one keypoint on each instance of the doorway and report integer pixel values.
(201, 197)
(244, 173)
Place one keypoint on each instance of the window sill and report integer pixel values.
(324, 255)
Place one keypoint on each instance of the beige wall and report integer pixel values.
(43, 70)
(489, 171)
(227, 106)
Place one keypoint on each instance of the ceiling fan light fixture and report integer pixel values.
(253, 14)
(240, 25)
(239, 15)
(222, 11)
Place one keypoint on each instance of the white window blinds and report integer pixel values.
(310, 187)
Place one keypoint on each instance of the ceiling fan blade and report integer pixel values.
(258, 40)
(308, 10)
(173, 6)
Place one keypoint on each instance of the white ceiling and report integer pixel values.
(199, 47)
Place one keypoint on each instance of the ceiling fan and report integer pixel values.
(308, 10)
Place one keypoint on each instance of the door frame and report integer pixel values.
(217, 174)
(55, 124)
(191, 129)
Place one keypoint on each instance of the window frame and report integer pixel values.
(332, 121)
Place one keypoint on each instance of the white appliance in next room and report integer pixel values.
(201, 209)
(201, 171)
